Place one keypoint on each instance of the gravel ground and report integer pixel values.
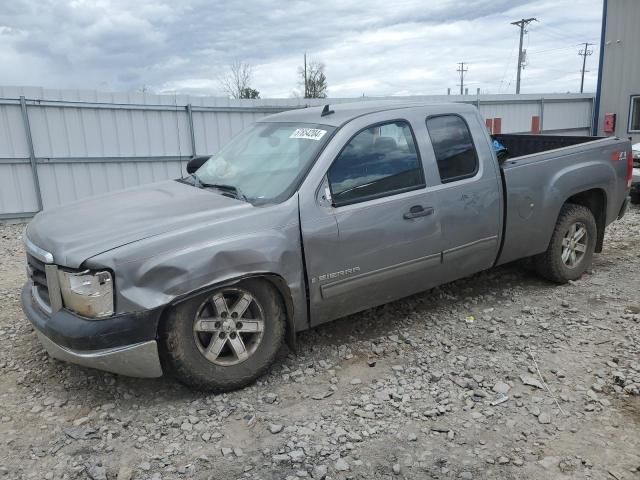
(445, 384)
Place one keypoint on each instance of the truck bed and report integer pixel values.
(520, 145)
(541, 172)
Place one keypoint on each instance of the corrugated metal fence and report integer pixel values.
(57, 146)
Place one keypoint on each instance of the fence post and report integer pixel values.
(191, 131)
(32, 155)
(592, 120)
(541, 114)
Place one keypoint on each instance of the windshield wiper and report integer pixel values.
(228, 188)
(235, 191)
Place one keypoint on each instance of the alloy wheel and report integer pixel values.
(229, 326)
(574, 244)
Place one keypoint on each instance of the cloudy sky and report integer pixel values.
(372, 47)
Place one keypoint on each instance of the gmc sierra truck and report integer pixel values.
(307, 216)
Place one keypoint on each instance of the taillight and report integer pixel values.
(629, 168)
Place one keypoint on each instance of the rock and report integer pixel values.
(81, 433)
(382, 395)
(396, 468)
(322, 395)
(466, 475)
(502, 460)
(436, 376)
(364, 414)
(238, 452)
(226, 451)
(125, 473)
(531, 381)
(145, 466)
(412, 437)
(297, 456)
(355, 381)
(270, 398)
(319, 472)
(341, 465)
(275, 428)
(281, 458)
(544, 418)
(501, 387)
(97, 472)
(440, 428)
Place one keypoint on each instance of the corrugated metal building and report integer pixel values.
(619, 70)
(57, 146)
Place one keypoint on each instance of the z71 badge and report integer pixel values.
(334, 275)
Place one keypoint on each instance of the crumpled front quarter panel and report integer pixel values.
(156, 271)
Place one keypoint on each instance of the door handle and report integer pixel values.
(418, 211)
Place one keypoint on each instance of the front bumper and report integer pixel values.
(123, 344)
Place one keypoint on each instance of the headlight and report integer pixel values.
(89, 294)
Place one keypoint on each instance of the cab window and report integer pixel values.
(380, 160)
(453, 147)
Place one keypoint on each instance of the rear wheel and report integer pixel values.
(571, 247)
(226, 338)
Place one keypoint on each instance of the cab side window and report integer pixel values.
(379, 161)
(453, 147)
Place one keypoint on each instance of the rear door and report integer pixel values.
(467, 194)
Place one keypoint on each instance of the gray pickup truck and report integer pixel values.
(307, 216)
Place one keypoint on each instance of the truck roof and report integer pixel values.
(345, 112)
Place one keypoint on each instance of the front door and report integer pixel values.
(373, 234)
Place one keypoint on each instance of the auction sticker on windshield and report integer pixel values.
(308, 133)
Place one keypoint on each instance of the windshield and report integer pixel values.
(266, 161)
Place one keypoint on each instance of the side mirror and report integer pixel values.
(195, 163)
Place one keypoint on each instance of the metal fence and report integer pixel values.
(57, 146)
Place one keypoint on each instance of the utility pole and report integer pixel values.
(584, 53)
(522, 24)
(306, 90)
(462, 71)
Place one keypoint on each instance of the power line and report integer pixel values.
(522, 24)
(572, 46)
(506, 66)
(462, 71)
(584, 54)
(547, 29)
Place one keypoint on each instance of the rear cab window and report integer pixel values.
(453, 147)
(378, 161)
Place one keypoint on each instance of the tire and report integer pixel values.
(635, 197)
(551, 264)
(200, 327)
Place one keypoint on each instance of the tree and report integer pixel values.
(237, 79)
(249, 92)
(313, 81)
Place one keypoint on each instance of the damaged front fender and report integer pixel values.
(166, 269)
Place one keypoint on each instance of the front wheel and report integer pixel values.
(224, 339)
(571, 247)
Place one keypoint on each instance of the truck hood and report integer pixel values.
(80, 230)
